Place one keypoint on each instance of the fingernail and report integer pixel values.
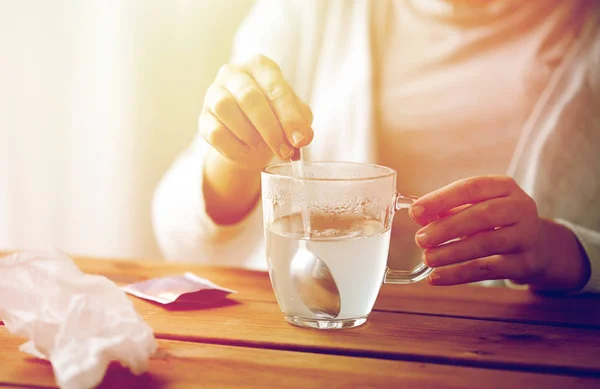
(434, 278)
(417, 211)
(422, 239)
(297, 136)
(262, 146)
(285, 150)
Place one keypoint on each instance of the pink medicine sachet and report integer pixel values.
(187, 288)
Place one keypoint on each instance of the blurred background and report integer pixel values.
(97, 98)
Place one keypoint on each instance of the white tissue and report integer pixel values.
(79, 322)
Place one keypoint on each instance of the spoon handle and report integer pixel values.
(298, 171)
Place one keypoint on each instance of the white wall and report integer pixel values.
(96, 99)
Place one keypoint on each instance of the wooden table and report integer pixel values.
(418, 336)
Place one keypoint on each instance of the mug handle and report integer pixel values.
(421, 271)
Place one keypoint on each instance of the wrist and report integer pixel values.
(567, 266)
(230, 190)
(217, 162)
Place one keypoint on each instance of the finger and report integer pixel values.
(282, 99)
(467, 191)
(446, 214)
(454, 211)
(257, 109)
(495, 267)
(500, 241)
(226, 109)
(305, 110)
(218, 136)
(499, 212)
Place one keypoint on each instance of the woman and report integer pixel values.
(504, 92)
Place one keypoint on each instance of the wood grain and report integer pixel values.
(456, 326)
(500, 304)
(389, 335)
(191, 365)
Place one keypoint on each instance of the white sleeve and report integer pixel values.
(183, 229)
(272, 29)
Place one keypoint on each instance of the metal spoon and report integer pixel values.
(311, 277)
(314, 283)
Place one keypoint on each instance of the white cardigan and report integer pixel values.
(324, 50)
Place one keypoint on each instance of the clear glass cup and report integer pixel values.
(350, 208)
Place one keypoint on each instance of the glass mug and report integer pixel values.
(350, 207)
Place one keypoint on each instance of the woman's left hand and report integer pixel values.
(481, 228)
(488, 228)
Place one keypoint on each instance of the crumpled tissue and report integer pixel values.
(79, 322)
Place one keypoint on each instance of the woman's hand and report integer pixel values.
(251, 113)
(488, 228)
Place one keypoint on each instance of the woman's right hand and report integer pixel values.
(250, 113)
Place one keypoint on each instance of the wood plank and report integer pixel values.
(389, 335)
(460, 301)
(251, 285)
(187, 365)
(501, 304)
(254, 286)
(495, 303)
